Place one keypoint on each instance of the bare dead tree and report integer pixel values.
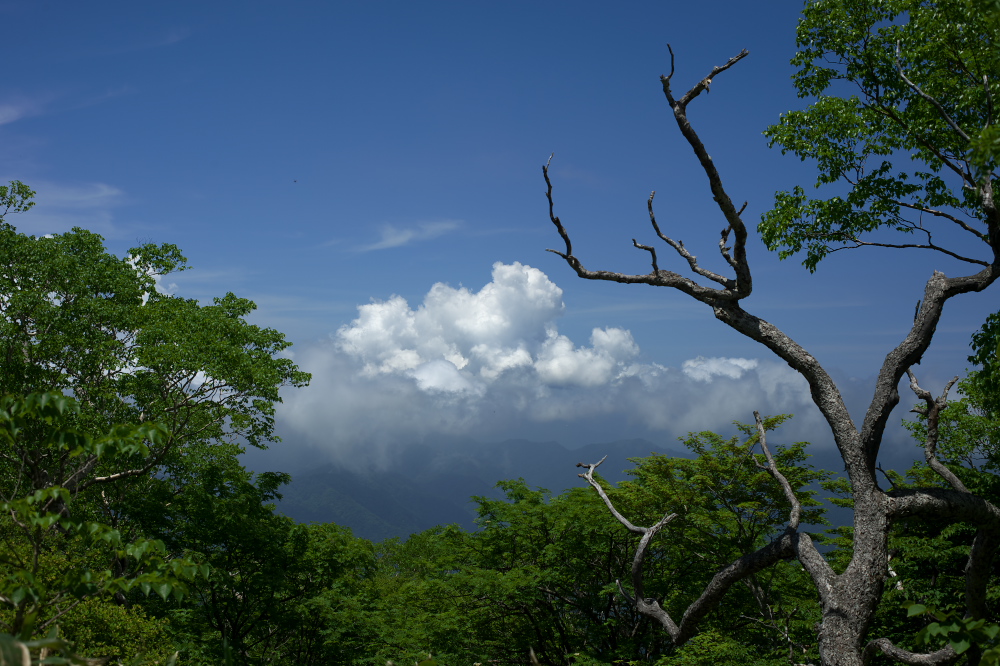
(848, 600)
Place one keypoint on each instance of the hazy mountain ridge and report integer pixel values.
(431, 484)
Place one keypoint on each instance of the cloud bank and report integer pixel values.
(491, 364)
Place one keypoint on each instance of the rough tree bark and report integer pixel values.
(848, 600)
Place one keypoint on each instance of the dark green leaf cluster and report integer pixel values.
(39, 579)
(961, 632)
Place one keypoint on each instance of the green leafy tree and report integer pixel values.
(256, 557)
(77, 318)
(40, 579)
(900, 90)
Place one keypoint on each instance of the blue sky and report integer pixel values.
(314, 156)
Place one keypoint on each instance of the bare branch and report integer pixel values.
(589, 477)
(652, 252)
(553, 217)
(647, 606)
(744, 282)
(938, 289)
(661, 278)
(772, 468)
(705, 82)
(683, 251)
(933, 413)
(789, 544)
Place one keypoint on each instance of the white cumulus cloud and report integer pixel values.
(492, 363)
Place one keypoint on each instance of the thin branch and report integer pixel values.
(772, 468)
(937, 104)
(652, 252)
(635, 529)
(940, 213)
(990, 117)
(789, 544)
(629, 598)
(860, 243)
(552, 215)
(890, 113)
(887, 477)
(662, 278)
(705, 82)
(683, 251)
(744, 282)
(932, 412)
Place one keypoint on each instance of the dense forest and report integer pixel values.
(132, 534)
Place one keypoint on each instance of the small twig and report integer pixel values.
(887, 477)
(652, 252)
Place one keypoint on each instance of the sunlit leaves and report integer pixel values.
(868, 125)
(15, 198)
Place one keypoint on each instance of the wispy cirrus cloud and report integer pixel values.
(60, 207)
(17, 107)
(168, 37)
(398, 236)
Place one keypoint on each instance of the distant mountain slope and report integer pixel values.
(432, 485)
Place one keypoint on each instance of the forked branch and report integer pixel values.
(783, 547)
(735, 256)
(932, 411)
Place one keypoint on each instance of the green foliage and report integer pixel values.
(80, 319)
(116, 632)
(15, 198)
(39, 581)
(865, 115)
(728, 507)
(961, 632)
(540, 573)
(984, 383)
(712, 648)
